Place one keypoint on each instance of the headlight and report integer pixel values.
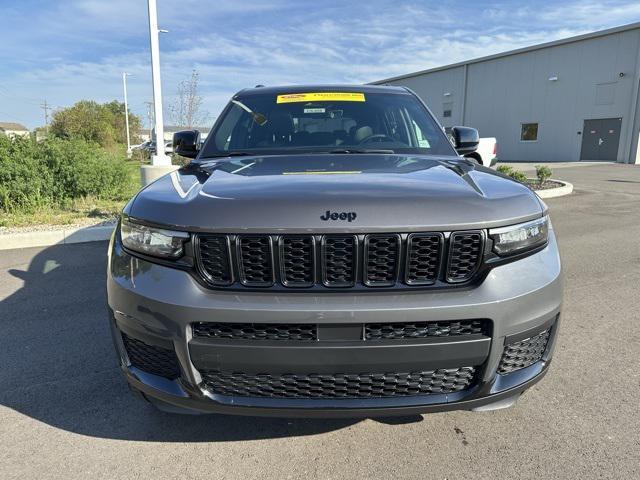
(152, 241)
(521, 237)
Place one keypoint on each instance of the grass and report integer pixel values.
(82, 210)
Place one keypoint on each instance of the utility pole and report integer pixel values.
(46, 109)
(126, 112)
(160, 158)
(150, 117)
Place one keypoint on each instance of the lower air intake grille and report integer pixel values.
(523, 353)
(363, 385)
(256, 331)
(396, 331)
(151, 358)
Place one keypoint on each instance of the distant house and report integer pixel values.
(12, 129)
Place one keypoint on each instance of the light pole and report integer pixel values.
(159, 158)
(126, 112)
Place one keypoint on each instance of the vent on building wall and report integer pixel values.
(606, 93)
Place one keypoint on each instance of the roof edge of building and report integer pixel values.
(540, 46)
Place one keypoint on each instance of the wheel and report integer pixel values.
(475, 157)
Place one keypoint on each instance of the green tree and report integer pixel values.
(94, 122)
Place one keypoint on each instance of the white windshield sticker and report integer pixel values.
(424, 144)
(314, 110)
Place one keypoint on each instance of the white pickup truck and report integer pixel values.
(487, 151)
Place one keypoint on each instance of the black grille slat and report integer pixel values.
(381, 259)
(465, 253)
(151, 358)
(339, 261)
(256, 331)
(423, 258)
(339, 385)
(255, 256)
(214, 259)
(524, 353)
(297, 261)
(408, 330)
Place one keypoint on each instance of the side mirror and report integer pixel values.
(186, 143)
(465, 139)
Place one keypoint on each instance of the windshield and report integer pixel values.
(338, 122)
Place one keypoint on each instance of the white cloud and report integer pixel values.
(238, 44)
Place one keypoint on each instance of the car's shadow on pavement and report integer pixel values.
(58, 366)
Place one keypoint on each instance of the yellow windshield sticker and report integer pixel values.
(322, 172)
(321, 97)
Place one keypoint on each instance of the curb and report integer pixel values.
(565, 189)
(55, 237)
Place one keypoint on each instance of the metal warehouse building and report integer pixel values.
(567, 100)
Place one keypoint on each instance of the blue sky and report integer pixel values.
(68, 50)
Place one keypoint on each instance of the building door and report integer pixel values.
(600, 139)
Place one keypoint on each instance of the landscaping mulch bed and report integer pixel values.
(535, 185)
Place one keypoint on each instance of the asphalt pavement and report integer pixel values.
(65, 411)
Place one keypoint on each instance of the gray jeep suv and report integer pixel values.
(327, 252)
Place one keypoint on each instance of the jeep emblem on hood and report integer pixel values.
(349, 216)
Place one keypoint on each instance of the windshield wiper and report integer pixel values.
(359, 150)
(229, 154)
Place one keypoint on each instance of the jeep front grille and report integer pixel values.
(323, 262)
(339, 385)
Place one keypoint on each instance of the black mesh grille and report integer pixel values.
(256, 262)
(423, 258)
(296, 258)
(523, 353)
(382, 258)
(339, 261)
(256, 331)
(396, 331)
(214, 259)
(464, 255)
(151, 359)
(339, 385)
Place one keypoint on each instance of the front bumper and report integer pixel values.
(158, 305)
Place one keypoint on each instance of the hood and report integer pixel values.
(327, 193)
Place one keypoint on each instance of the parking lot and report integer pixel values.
(65, 411)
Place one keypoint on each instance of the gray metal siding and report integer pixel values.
(503, 92)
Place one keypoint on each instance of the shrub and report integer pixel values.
(505, 169)
(510, 172)
(518, 176)
(51, 172)
(543, 173)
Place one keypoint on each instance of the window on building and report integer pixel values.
(529, 132)
(447, 107)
